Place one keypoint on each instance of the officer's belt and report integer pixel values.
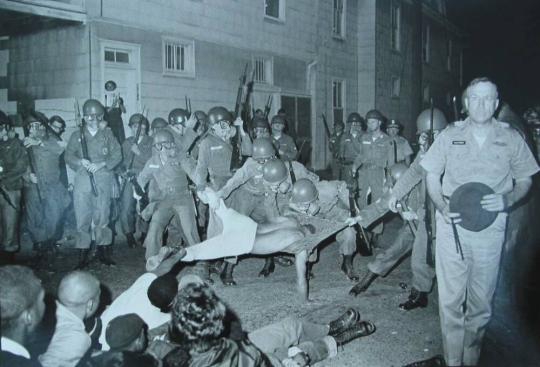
(370, 166)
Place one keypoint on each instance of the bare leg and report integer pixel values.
(275, 241)
(300, 261)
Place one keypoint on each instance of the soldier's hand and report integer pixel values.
(135, 196)
(94, 167)
(408, 216)
(353, 220)
(493, 203)
(393, 204)
(192, 121)
(238, 122)
(85, 163)
(135, 149)
(450, 217)
(29, 142)
(33, 178)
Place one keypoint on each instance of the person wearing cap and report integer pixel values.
(350, 145)
(401, 148)
(285, 145)
(114, 108)
(78, 299)
(22, 308)
(488, 152)
(13, 166)
(45, 197)
(334, 146)
(375, 156)
(127, 333)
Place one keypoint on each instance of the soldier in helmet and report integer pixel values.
(401, 148)
(335, 145)
(375, 156)
(349, 147)
(285, 145)
(136, 154)
(44, 195)
(13, 166)
(181, 125)
(157, 124)
(169, 168)
(91, 210)
(114, 108)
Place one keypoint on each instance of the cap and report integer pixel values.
(123, 330)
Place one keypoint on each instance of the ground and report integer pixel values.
(401, 337)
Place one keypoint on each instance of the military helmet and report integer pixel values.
(394, 124)
(263, 148)
(397, 170)
(278, 119)
(423, 122)
(374, 114)
(158, 123)
(201, 116)
(93, 107)
(259, 122)
(354, 117)
(163, 136)
(304, 192)
(137, 118)
(218, 114)
(178, 116)
(274, 171)
(110, 85)
(56, 118)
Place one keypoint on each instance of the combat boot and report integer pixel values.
(104, 255)
(343, 322)
(416, 299)
(348, 268)
(216, 267)
(226, 275)
(269, 267)
(83, 259)
(437, 361)
(362, 328)
(364, 284)
(131, 242)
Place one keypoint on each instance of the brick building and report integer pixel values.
(312, 56)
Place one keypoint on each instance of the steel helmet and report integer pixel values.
(374, 114)
(274, 171)
(394, 124)
(278, 119)
(138, 118)
(424, 118)
(110, 85)
(304, 192)
(218, 114)
(397, 170)
(93, 107)
(339, 124)
(201, 116)
(263, 148)
(354, 117)
(163, 136)
(178, 116)
(259, 122)
(158, 123)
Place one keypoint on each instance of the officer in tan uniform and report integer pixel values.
(484, 150)
(350, 146)
(104, 155)
(401, 148)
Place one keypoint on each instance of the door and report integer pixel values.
(298, 110)
(121, 64)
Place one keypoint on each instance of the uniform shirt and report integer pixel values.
(333, 200)
(350, 147)
(145, 146)
(335, 143)
(401, 149)
(504, 156)
(285, 146)
(14, 163)
(183, 142)
(250, 175)
(375, 151)
(214, 159)
(46, 160)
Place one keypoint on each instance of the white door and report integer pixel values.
(121, 64)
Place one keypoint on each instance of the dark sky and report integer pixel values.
(504, 44)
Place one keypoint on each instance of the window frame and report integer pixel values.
(343, 90)
(395, 28)
(268, 69)
(343, 23)
(281, 11)
(189, 57)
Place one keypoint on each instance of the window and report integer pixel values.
(274, 9)
(338, 93)
(426, 43)
(263, 70)
(178, 57)
(449, 54)
(338, 27)
(396, 87)
(426, 96)
(396, 25)
(116, 56)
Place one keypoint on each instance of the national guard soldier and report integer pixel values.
(44, 195)
(181, 125)
(335, 144)
(374, 158)
(350, 146)
(157, 124)
(92, 197)
(260, 127)
(285, 145)
(13, 166)
(136, 154)
(401, 148)
(114, 107)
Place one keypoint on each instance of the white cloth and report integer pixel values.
(134, 300)
(69, 343)
(13, 347)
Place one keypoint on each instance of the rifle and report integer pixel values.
(188, 105)
(84, 146)
(326, 128)
(268, 105)
(291, 172)
(364, 247)
(454, 104)
(236, 158)
(427, 207)
(32, 161)
(6, 197)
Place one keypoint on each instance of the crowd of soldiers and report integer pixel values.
(169, 179)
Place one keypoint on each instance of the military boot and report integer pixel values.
(131, 242)
(269, 267)
(416, 299)
(83, 259)
(348, 268)
(362, 328)
(343, 322)
(105, 255)
(226, 275)
(364, 284)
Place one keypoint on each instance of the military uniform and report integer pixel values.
(285, 146)
(349, 149)
(335, 145)
(401, 149)
(43, 216)
(14, 163)
(128, 213)
(502, 157)
(102, 148)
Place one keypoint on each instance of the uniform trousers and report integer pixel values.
(9, 221)
(466, 287)
(129, 219)
(371, 180)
